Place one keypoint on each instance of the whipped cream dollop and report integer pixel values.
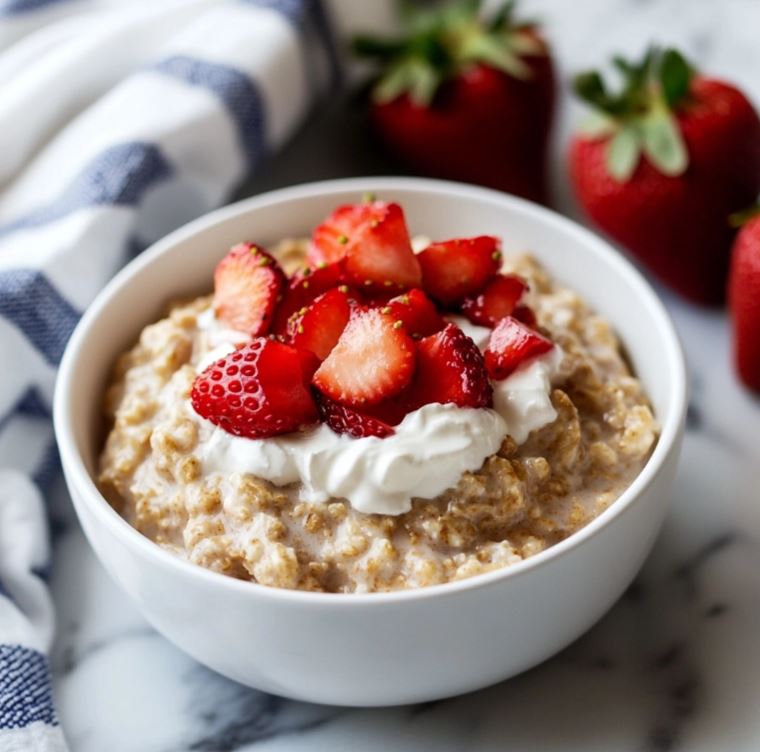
(426, 455)
(218, 340)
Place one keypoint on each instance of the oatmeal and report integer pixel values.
(596, 431)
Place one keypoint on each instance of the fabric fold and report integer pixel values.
(118, 123)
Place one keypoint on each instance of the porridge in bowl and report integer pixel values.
(382, 421)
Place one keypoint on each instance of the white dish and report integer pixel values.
(384, 648)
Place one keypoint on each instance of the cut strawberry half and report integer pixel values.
(373, 240)
(497, 300)
(373, 360)
(330, 239)
(259, 390)
(450, 369)
(417, 312)
(248, 283)
(302, 289)
(351, 421)
(380, 256)
(455, 269)
(318, 327)
(511, 344)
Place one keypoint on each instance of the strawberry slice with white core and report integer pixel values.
(248, 283)
(379, 255)
(372, 240)
(498, 299)
(454, 269)
(318, 327)
(373, 360)
(511, 344)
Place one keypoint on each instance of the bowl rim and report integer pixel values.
(84, 485)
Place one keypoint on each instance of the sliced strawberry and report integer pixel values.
(450, 369)
(247, 285)
(373, 360)
(329, 240)
(454, 269)
(417, 312)
(511, 344)
(374, 241)
(351, 421)
(497, 300)
(303, 288)
(379, 255)
(258, 391)
(392, 410)
(318, 327)
(525, 314)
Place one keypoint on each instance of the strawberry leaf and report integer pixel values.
(675, 77)
(441, 42)
(641, 112)
(598, 125)
(740, 218)
(663, 143)
(623, 153)
(503, 18)
(488, 49)
(589, 86)
(416, 76)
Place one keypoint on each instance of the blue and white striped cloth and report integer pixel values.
(118, 122)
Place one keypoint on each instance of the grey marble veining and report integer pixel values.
(675, 665)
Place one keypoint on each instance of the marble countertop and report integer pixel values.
(673, 666)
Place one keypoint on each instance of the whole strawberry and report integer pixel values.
(744, 301)
(467, 98)
(664, 164)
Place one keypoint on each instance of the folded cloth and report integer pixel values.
(118, 122)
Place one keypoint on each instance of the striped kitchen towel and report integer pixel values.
(119, 121)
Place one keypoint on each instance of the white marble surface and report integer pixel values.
(674, 666)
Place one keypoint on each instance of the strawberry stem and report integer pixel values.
(639, 118)
(444, 41)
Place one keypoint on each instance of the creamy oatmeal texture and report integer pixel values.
(530, 493)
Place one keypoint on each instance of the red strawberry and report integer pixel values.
(302, 289)
(454, 269)
(511, 344)
(674, 155)
(498, 299)
(379, 256)
(450, 369)
(467, 98)
(744, 301)
(329, 239)
(258, 391)
(373, 360)
(348, 420)
(247, 285)
(418, 313)
(318, 327)
(372, 241)
(526, 315)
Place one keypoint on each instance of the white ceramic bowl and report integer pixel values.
(388, 648)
